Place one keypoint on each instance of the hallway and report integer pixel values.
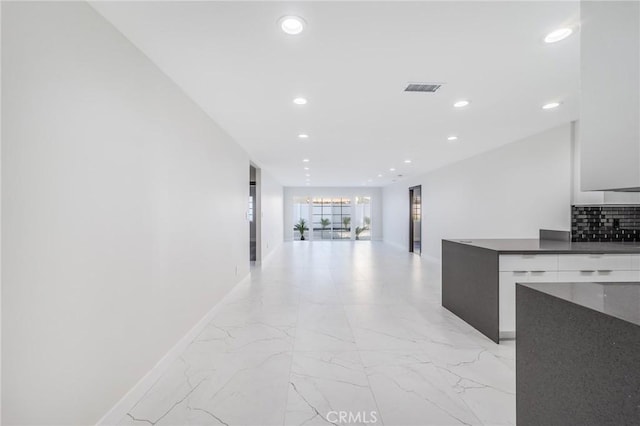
(328, 329)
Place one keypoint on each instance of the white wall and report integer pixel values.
(0, 219)
(271, 199)
(123, 214)
(610, 52)
(349, 192)
(578, 196)
(510, 192)
(593, 197)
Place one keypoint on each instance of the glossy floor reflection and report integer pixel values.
(336, 333)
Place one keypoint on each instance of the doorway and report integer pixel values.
(251, 214)
(415, 219)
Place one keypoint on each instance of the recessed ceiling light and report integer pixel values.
(303, 136)
(407, 161)
(292, 25)
(461, 104)
(452, 138)
(306, 168)
(557, 35)
(551, 105)
(392, 169)
(306, 160)
(308, 175)
(379, 175)
(300, 101)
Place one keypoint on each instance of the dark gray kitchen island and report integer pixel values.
(578, 354)
(479, 276)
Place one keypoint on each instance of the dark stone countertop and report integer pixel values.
(619, 300)
(536, 246)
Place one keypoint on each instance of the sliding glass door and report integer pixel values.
(332, 218)
(322, 224)
(341, 218)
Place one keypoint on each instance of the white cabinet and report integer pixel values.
(507, 303)
(557, 268)
(507, 295)
(610, 95)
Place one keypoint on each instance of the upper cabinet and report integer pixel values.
(610, 99)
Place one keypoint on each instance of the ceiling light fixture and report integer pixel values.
(452, 138)
(308, 175)
(461, 104)
(557, 35)
(300, 101)
(407, 161)
(306, 160)
(303, 136)
(306, 168)
(551, 105)
(392, 169)
(292, 25)
(379, 175)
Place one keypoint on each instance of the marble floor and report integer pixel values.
(336, 333)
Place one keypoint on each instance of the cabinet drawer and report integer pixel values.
(596, 262)
(528, 262)
(598, 276)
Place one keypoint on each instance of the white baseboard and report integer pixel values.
(122, 407)
(507, 335)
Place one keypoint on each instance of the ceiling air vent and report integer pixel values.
(422, 87)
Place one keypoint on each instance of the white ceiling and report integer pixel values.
(352, 63)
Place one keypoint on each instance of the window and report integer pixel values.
(363, 218)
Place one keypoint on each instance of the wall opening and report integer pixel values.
(415, 221)
(253, 215)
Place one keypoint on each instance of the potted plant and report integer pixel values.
(301, 226)
(359, 231)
